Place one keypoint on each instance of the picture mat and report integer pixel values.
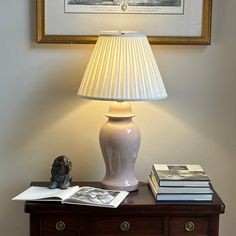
(82, 8)
(57, 22)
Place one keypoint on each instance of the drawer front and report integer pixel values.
(123, 225)
(54, 226)
(188, 226)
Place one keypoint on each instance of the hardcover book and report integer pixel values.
(180, 175)
(179, 189)
(86, 195)
(178, 196)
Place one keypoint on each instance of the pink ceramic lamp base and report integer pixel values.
(120, 140)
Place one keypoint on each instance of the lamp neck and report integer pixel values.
(119, 110)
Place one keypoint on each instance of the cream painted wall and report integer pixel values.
(41, 116)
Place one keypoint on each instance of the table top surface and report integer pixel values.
(142, 199)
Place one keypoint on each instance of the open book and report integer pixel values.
(75, 195)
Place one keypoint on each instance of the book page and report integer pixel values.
(97, 197)
(44, 193)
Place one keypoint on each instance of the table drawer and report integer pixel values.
(188, 226)
(64, 226)
(126, 225)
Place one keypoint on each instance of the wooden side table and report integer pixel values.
(138, 215)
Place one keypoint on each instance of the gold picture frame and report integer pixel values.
(203, 39)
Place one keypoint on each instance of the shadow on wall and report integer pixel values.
(201, 94)
(32, 20)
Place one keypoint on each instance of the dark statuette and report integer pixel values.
(60, 173)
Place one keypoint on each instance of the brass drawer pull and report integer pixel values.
(125, 226)
(60, 225)
(189, 226)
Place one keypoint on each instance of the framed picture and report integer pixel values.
(163, 21)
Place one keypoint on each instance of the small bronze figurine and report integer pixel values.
(60, 173)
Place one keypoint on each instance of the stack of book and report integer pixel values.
(180, 183)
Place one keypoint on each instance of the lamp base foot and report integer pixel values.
(117, 187)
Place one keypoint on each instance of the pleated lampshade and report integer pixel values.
(122, 68)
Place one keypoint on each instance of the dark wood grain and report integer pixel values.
(177, 226)
(140, 209)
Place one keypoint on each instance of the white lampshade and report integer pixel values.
(122, 68)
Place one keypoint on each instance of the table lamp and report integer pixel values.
(122, 68)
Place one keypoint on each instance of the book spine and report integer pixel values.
(156, 175)
(154, 191)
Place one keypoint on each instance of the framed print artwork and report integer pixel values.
(163, 21)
